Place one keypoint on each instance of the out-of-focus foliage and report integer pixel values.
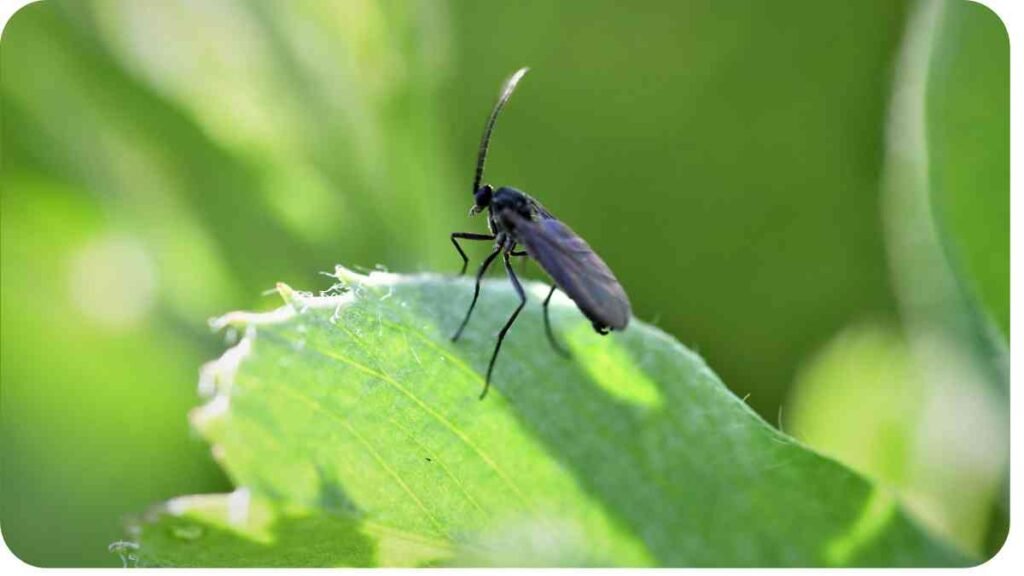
(90, 380)
(863, 402)
(864, 417)
(926, 410)
(163, 161)
(178, 158)
(968, 107)
(358, 406)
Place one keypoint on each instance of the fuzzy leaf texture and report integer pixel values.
(352, 428)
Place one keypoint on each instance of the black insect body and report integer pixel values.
(515, 219)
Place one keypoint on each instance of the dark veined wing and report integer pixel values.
(575, 268)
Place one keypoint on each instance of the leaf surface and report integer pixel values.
(355, 409)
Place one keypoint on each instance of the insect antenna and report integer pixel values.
(506, 92)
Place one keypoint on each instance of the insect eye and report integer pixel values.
(483, 196)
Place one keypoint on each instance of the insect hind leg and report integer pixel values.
(547, 326)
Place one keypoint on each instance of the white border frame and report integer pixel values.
(1010, 559)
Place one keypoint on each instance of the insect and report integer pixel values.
(514, 218)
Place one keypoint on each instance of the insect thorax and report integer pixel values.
(506, 200)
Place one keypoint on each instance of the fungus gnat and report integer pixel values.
(514, 218)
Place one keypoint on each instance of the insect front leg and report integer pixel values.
(476, 288)
(547, 326)
(467, 236)
(511, 320)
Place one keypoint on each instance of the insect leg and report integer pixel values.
(511, 320)
(525, 255)
(476, 290)
(547, 326)
(467, 236)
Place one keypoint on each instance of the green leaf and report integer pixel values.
(968, 115)
(945, 192)
(239, 530)
(355, 409)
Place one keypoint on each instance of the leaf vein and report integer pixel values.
(370, 449)
(424, 406)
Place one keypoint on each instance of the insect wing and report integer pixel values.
(576, 268)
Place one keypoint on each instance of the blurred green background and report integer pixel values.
(813, 195)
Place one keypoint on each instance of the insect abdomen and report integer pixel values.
(576, 269)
